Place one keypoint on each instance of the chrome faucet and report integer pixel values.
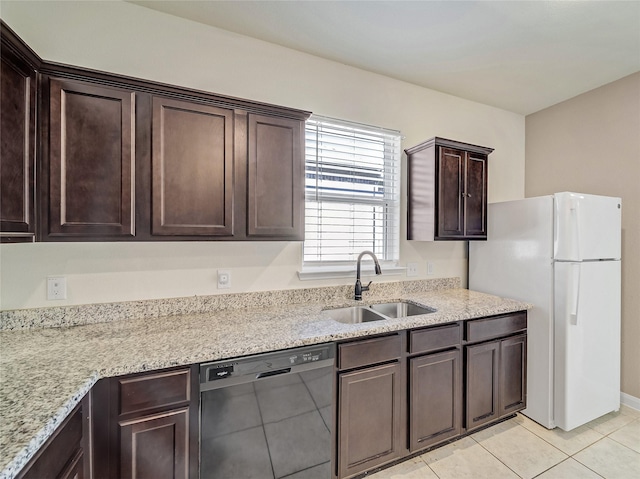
(359, 287)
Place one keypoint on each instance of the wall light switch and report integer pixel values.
(224, 279)
(412, 269)
(430, 268)
(56, 287)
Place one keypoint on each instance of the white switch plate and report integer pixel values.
(412, 269)
(56, 287)
(224, 279)
(430, 267)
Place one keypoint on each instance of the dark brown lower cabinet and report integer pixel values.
(496, 381)
(156, 446)
(146, 425)
(435, 402)
(66, 454)
(370, 429)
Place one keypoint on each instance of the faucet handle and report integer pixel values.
(366, 288)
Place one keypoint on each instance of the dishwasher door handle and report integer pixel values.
(273, 373)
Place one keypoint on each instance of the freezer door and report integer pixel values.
(587, 227)
(587, 341)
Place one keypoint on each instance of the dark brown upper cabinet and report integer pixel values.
(17, 139)
(447, 191)
(275, 194)
(90, 162)
(93, 156)
(191, 169)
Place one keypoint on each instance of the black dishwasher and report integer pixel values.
(268, 416)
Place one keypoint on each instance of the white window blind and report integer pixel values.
(352, 192)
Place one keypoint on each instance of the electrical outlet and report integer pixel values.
(224, 279)
(56, 287)
(430, 267)
(412, 269)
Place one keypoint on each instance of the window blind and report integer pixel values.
(352, 189)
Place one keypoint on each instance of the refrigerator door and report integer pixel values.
(587, 341)
(516, 263)
(587, 227)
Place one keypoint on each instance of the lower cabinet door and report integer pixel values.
(370, 418)
(482, 383)
(513, 380)
(155, 446)
(435, 401)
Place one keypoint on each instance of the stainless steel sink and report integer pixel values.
(400, 309)
(352, 315)
(375, 312)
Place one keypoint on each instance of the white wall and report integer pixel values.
(131, 40)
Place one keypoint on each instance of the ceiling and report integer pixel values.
(520, 56)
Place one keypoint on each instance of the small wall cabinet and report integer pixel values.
(447, 191)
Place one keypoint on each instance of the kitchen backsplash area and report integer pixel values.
(66, 316)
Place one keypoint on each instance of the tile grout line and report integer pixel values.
(521, 477)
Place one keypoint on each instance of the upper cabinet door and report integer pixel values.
(451, 168)
(192, 169)
(275, 187)
(91, 161)
(476, 195)
(17, 150)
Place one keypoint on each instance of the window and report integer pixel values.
(352, 191)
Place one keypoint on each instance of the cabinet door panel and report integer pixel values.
(482, 383)
(370, 430)
(476, 196)
(436, 399)
(275, 195)
(513, 382)
(156, 446)
(450, 200)
(17, 150)
(192, 169)
(91, 160)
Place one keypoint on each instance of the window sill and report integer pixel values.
(337, 272)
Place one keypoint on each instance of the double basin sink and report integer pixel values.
(375, 312)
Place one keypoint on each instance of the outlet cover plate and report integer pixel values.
(412, 269)
(224, 279)
(56, 287)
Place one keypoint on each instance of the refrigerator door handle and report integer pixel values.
(575, 293)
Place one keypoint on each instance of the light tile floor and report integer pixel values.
(608, 447)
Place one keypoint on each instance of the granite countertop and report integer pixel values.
(44, 373)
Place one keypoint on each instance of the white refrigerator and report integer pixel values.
(562, 253)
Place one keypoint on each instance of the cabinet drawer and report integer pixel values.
(424, 340)
(369, 351)
(142, 393)
(481, 329)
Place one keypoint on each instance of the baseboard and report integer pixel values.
(630, 401)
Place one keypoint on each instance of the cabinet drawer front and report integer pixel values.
(425, 340)
(138, 394)
(481, 329)
(369, 351)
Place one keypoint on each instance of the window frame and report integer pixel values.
(391, 174)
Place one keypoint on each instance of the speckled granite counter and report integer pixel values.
(44, 373)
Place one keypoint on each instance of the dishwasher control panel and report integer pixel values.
(246, 369)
